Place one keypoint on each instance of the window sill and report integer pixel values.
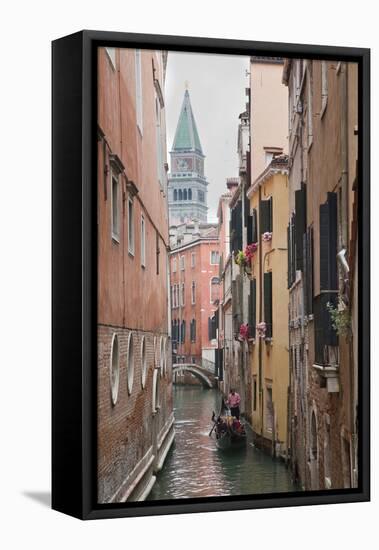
(131, 253)
(115, 238)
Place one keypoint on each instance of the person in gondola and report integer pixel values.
(233, 402)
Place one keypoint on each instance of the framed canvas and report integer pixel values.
(211, 290)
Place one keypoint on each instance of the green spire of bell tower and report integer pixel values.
(186, 135)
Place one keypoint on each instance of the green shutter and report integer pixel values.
(267, 283)
(252, 308)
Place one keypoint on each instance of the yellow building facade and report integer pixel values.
(269, 354)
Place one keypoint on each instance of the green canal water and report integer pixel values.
(194, 466)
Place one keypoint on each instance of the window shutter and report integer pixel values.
(267, 282)
(209, 328)
(194, 330)
(252, 308)
(183, 331)
(289, 283)
(270, 215)
(238, 224)
(300, 224)
(328, 243)
(309, 273)
(264, 216)
(255, 225)
(221, 365)
(293, 249)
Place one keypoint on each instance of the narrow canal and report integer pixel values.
(194, 466)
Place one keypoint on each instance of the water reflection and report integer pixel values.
(196, 468)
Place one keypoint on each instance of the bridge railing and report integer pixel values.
(205, 364)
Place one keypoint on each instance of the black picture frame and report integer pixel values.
(74, 274)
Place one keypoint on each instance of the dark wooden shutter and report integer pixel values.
(254, 229)
(293, 248)
(270, 215)
(239, 222)
(309, 271)
(183, 331)
(252, 308)
(328, 243)
(267, 283)
(209, 328)
(194, 330)
(249, 230)
(300, 224)
(264, 216)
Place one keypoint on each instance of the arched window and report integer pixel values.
(143, 362)
(190, 194)
(161, 355)
(175, 195)
(180, 195)
(130, 363)
(155, 402)
(114, 368)
(185, 194)
(215, 289)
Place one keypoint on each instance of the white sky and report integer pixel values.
(217, 90)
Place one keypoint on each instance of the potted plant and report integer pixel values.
(267, 236)
(261, 329)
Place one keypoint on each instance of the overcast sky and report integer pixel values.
(216, 86)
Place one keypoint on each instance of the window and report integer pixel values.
(139, 90)
(254, 393)
(115, 208)
(252, 307)
(185, 194)
(265, 216)
(143, 362)
(180, 194)
(267, 282)
(215, 257)
(324, 87)
(181, 263)
(193, 293)
(193, 330)
(182, 291)
(314, 446)
(190, 194)
(268, 158)
(193, 259)
(201, 195)
(174, 265)
(114, 369)
(130, 363)
(155, 402)
(162, 355)
(215, 289)
(269, 411)
(175, 194)
(112, 56)
(177, 295)
(143, 242)
(130, 227)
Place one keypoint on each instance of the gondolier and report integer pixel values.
(233, 402)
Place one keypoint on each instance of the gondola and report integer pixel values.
(229, 431)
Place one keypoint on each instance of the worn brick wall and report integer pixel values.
(125, 430)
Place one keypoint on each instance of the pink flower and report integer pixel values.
(244, 331)
(250, 249)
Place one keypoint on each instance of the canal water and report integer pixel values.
(194, 466)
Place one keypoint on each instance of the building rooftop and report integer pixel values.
(186, 135)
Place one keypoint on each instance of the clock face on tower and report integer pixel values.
(182, 164)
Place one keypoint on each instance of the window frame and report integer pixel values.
(115, 178)
(131, 233)
(143, 241)
(210, 259)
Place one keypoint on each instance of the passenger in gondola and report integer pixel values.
(233, 402)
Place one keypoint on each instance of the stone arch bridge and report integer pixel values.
(204, 374)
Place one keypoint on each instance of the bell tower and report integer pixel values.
(187, 184)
